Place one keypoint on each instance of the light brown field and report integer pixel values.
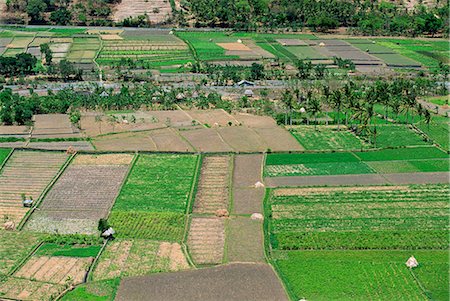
(157, 11)
(234, 46)
(57, 269)
(53, 126)
(104, 159)
(26, 172)
(212, 193)
(25, 289)
(205, 140)
(213, 118)
(139, 257)
(110, 37)
(206, 240)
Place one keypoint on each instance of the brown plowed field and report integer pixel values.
(243, 139)
(29, 173)
(249, 282)
(212, 193)
(206, 240)
(213, 118)
(81, 196)
(205, 140)
(55, 269)
(157, 11)
(53, 126)
(245, 240)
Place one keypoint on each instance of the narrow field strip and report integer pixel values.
(206, 240)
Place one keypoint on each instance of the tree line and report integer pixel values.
(363, 16)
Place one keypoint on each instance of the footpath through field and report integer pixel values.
(361, 179)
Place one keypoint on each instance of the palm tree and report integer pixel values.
(98, 120)
(336, 100)
(315, 108)
(287, 100)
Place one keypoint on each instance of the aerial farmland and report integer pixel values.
(224, 150)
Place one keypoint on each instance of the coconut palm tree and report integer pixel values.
(315, 108)
(336, 100)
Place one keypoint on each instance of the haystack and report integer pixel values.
(259, 185)
(412, 262)
(257, 216)
(222, 213)
(9, 226)
(321, 44)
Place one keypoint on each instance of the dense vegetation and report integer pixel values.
(366, 17)
(157, 213)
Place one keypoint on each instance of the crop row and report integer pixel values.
(164, 226)
(364, 240)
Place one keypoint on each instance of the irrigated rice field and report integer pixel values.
(417, 159)
(357, 239)
(153, 201)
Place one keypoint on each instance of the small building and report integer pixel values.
(248, 93)
(245, 83)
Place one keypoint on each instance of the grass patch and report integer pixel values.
(437, 130)
(14, 247)
(4, 152)
(410, 166)
(158, 183)
(403, 154)
(397, 136)
(327, 138)
(50, 249)
(167, 226)
(94, 291)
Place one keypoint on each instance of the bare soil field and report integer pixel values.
(169, 140)
(278, 139)
(26, 172)
(53, 126)
(245, 240)
(364, 179)
(55, 269)
(234, 46)
(242, 139)
(15, 130)
(131, 141)
(126, 258)
(206, 240)
(213, 118)
(250, 282)
(24, 289)
(205, 140)
(103, 159)
(64, 145)
(292, 42)
(81, 196)
(213, 186)
(157, 11)
(247, 199)
(255, 121)
(98, 124)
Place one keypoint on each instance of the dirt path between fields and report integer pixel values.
(237, 281)
(363, 179)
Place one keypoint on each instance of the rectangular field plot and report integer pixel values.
(128, 258)
(4, 153)
(416, 153)
(53, 126)
(25, 289)
(14, 247)
(26, 172)
(152, 49)
(327, 138)
(314, 164)
(377, 217)
(81, 196)
(438, 131)
(397, 135)
(84, 49)
(153, 201)
(363, 275)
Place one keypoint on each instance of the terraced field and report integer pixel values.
(213, 186)
(85, 193)
(149, 49)
(26, 172)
